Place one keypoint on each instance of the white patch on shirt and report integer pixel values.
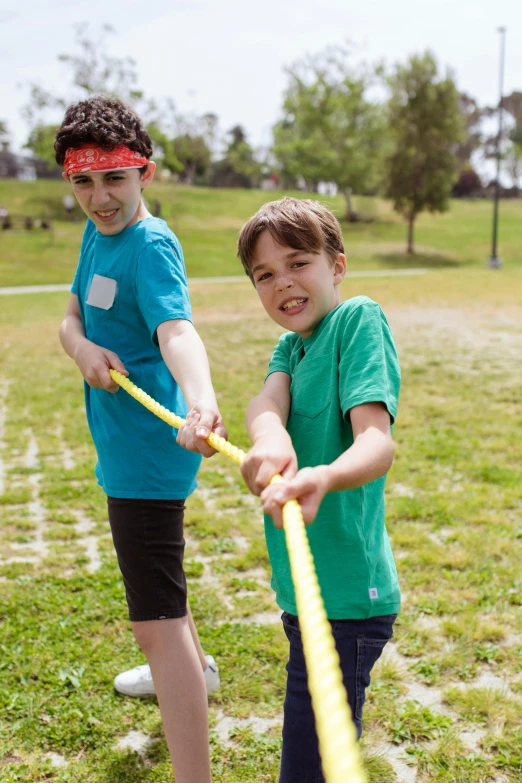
(102, 292)
(374, 593)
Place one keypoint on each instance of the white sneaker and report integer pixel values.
(138, 681)
(211, 674)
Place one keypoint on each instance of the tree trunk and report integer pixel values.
(411, 223)
(351, 214)
(189, 174)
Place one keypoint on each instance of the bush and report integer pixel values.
(468, 185)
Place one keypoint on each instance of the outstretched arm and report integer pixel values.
(185, 355)
(272, 451)
(369, 458)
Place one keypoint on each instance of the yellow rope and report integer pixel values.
(337, 737)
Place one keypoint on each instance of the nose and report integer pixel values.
(100, 196)
(284, 281)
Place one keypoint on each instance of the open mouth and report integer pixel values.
(106, 215)
(293, 306)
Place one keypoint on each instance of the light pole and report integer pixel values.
(494, 262)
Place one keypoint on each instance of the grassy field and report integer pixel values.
(445, 703)
(208, 221)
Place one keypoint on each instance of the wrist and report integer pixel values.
(78, 346)
(203, 403)
(267, 433)
(326, 478)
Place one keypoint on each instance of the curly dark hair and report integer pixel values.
(104, 121)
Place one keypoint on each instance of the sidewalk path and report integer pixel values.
(42, 289)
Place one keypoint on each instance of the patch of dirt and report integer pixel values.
(226, 724)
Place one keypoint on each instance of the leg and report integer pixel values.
(138, 681)
(182, 697)
(359, 644)
(148, 537)
(300, 761)
(195, 639)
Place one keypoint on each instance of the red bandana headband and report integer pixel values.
(91, 157)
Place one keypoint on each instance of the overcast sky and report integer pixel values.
(228, 56)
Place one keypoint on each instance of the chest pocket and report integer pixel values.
(103, 295)
(310, 388)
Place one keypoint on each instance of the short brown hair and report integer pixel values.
(104, 121)
(301, 224)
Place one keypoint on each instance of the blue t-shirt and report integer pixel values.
(127, 285)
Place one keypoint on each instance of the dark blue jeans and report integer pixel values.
(359, 644)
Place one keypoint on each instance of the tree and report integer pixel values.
(193, 154)
(41, 143)
(513, 155)
(183, 144)
(330, 130)
(4, 133)
(510, 142)
(9, 163)
(92, 71)
(163, 151)
(468, 184)
(472, 137)
(425, 124)
(239, 167)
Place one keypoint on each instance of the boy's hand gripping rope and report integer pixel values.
(337, 737)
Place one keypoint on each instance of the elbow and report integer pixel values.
(388, 454)
(61, 331)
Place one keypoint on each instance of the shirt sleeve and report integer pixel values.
(161, 285)
(87, 233)
(369, 369)
(280, 361)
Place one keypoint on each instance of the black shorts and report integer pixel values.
(148, 538)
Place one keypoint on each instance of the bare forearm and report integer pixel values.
(369, 458)
(186, 357)
(72, 335)
(265, 417)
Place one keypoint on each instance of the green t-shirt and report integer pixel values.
(349, 359)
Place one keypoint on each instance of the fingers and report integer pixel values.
(99, 376)
(116, 363)
(205, 424)
(271, 505)
(307, 488)
(189, 438)
(221, 430)
(290, 470)
(260, 466)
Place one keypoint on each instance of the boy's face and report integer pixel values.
(296, 288)
(112, 199)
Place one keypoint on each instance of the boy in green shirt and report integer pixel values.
(323, 420)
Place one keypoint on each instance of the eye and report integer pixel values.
(264, 276)
(80, 181)
(298, 264)
(115, 177)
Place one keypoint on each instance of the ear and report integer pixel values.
(339, 268)
(148, 176)
(65, 176)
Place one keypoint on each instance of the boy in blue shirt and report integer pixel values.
(323, 420)
(130, 311)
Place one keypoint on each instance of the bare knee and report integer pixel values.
(152, 635)
(146, 634)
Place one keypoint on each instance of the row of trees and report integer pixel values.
(407, 134)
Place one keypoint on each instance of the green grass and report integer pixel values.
(208, 221)
(454, 506)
